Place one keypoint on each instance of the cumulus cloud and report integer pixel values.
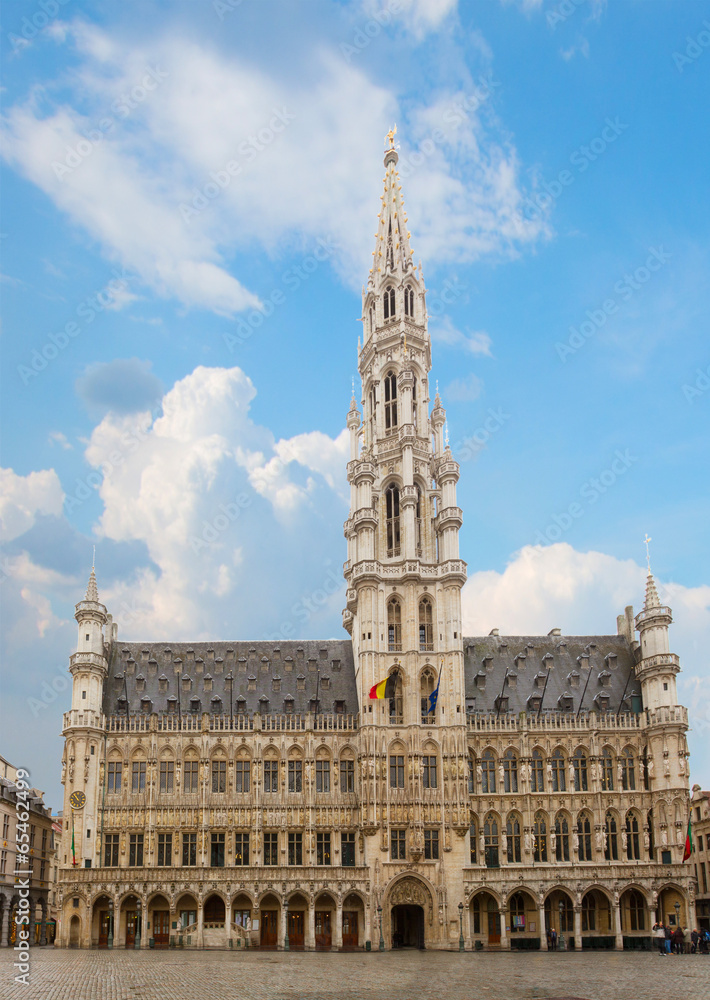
(23, 498)
(125, 385)
(217, 155)
(544, 587)
(476, 342)
(418, 17)
(464, 389)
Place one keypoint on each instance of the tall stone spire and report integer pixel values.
(392, 247)
(652, 599)
(92, 591)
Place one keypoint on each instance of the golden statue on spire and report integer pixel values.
(390, 135)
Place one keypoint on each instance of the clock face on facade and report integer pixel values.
(78, 800)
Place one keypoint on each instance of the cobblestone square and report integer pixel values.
(124, 975)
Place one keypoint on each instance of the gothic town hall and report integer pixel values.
(240, 794)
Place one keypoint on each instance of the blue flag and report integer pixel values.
(434, 696)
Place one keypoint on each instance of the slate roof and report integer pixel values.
(265, 676)
(564, 663)
(195, 676)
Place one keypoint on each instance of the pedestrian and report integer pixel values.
(553, 939)
(677, 939)
(669, 934)
(660, 934)
(694, 938)
(549, 939)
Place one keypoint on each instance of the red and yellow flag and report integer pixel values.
(688, 849)
(385, 689)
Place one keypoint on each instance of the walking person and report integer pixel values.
(694, 938)
(660, 935)
(669, 934)
(677, 941)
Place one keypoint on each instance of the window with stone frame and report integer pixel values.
(295, 775)
(111, 850)
(217, 849)
(115, 773)
(628, 770)
(510, 771)
(241, 848)
(607, 770)
(633, 838)
(242, 775)
(561, 838)
(429, 779)
(347, 849)
(559, 777)
(189, 850)
(490, 840)
(540, 839)
(271, 776)
(219, 775)
(488, 773)
(584, 838)
(347, 775)
(190, 776)
(579, 762)
(165, 849)
(323, 856)
(431, 845)
(397, 771)
(512, 833)
(611, 848)
(426, 625)
(167, 775)
(135, 850)
(138, 770)
(271, 848)
(295, 848)
(398, 850)
(323, 775)
(537, 772)
(394, 625)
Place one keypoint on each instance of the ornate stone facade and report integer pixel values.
(237, 794)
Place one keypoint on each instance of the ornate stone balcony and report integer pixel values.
(238, 722)
(555, 722)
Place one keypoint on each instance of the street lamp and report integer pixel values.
(561, 940)
(677, 913)
(137, 941)
(382, 940)
(461, 944)
(110, 923)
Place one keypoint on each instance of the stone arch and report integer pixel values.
(75, 931)
(265, 894)
(412, 889)
(485, 890)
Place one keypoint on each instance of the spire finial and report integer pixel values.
(648, 554)
(92, 591)
(391, 134)
(446, 434)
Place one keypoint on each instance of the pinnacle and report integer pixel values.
(92, 591)
(652, 599)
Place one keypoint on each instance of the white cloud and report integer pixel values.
(464, 389)
(307, 151)
(22, 498)
(219, 504)
(57, 437)
(544, 587)
(419, 17)
(476, 342)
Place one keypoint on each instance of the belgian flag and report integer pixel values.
(688, 849)
(385, 689)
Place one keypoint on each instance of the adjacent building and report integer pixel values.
(700, 825)
(253, 793)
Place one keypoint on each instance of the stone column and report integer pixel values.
(338, 925)
(146, 932)
(228, 923)
(543, 931)
(281, 937)
(310, 942)
(5, 929)
(43, 927)
(619, 938)
(578, 928)
(692, 916)
(468, 927)
(504, 942)
(200, 925)
(368, 924)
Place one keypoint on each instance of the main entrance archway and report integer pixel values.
(407, 926)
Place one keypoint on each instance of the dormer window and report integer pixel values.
(140, 683)
(146, 705)
(216, 705)
(162, 683)
(390, 401)
(172, 704)
(389, 310)
(194, 704)
(207, 682)
(565, 702)
(408, 302)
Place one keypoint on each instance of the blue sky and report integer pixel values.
(189, 203)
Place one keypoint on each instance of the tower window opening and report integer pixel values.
(426, 690)
(408, 302)
(390, 402)
(418, 524)
(393, 526)
(414, 404)
(388, 303)
(426, 625)
(394, 626)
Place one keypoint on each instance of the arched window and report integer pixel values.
(426, 625)
(472, 840)
(628, 770)
(540, 838)
(637, 911)
(510, 771)
(580, 771)
(390, 402)
(559, 779)
(633, 842)
(589, 912)
(512, 832)
(488, 773)
(490, 840)
(561, 838)
(396, 703)
(393, 529)
(389, 302)
(649, 820)
(427, 686)
(537, 774)
(414, 404)
(418, 524)
(584, 838)
(611, 849)
(517, 912)
(607, 766)
(408, 302)
(394, 625)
